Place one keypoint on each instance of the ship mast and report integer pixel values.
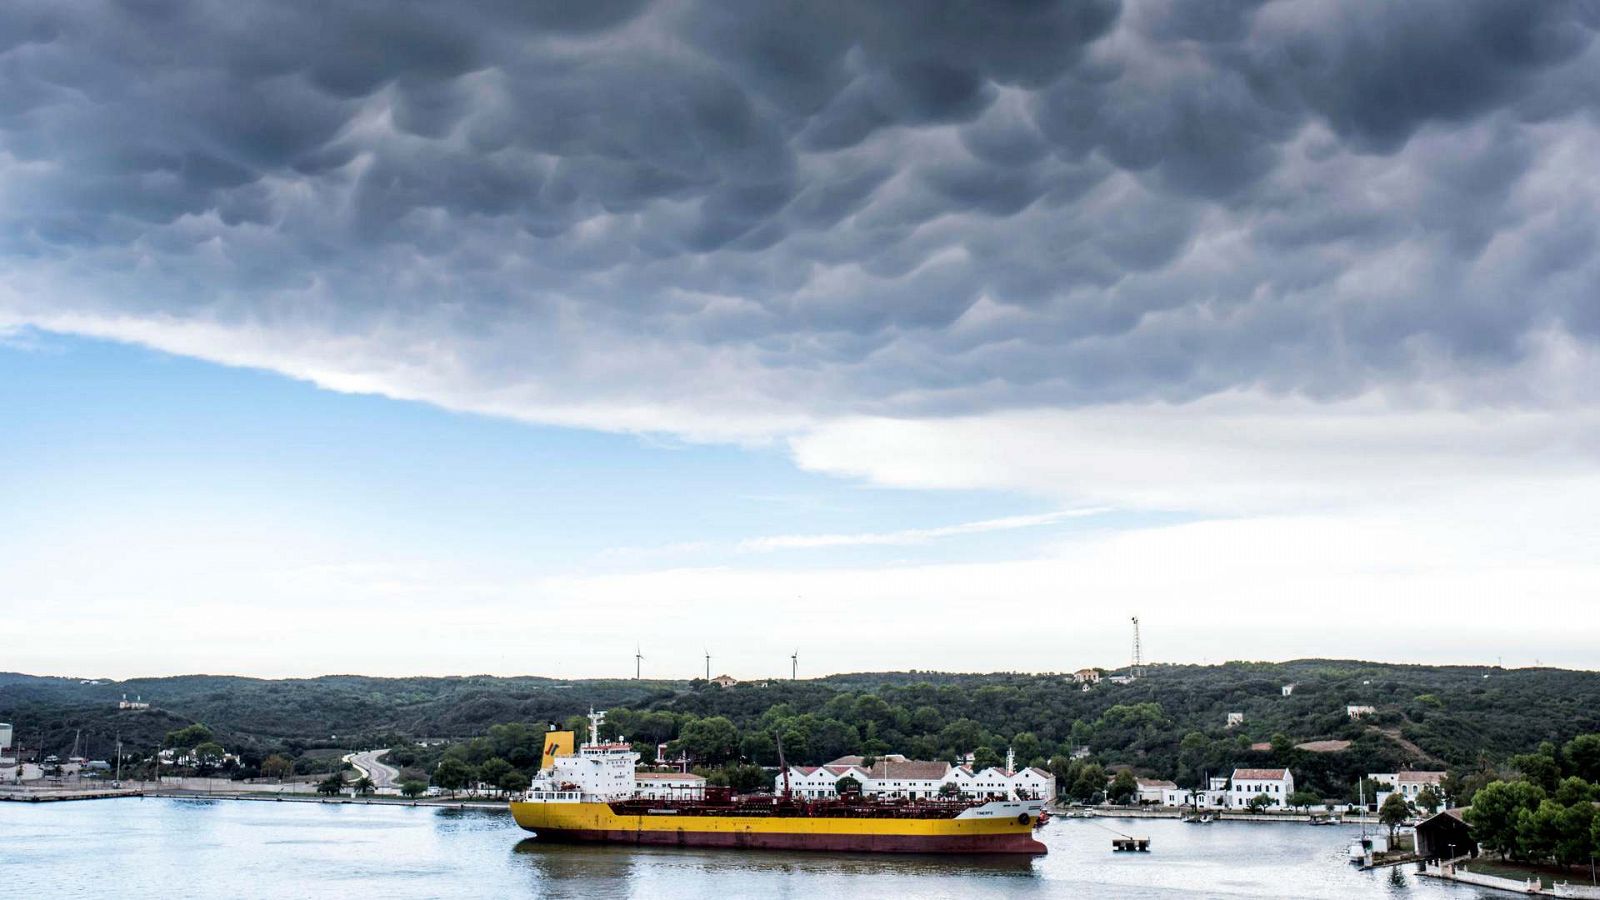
(783, 766)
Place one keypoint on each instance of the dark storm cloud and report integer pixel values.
(901, 206)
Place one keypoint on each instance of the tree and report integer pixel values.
(1303, 799)
(331, 785)
(493, 770)
(949, 789)
(276, 766)
(711, 741)
(1027, 748)
(1573, 791)
(413, 788)
(513, 782)
(187, 737)
(985, 757)
(207, 755)
(1123, 788)
(1259, 803)
(1091, 780)
(1394, 813)
(1575, 833)
(364, 785)
(452, 774)
(1495, 810)
(847, 785)
(1583, 757)
(1427, 800)
(1540, 768)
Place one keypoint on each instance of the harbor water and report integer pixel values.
(135, 847)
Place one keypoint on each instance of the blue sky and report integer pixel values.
(103, 432)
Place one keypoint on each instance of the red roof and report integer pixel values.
(1259, 774)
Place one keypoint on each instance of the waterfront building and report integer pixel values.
(1151, 790)
(1247, 784)
(894, 775)
(1445, 835)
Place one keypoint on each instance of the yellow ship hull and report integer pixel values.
(597, 822)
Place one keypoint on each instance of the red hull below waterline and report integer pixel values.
(836, 843)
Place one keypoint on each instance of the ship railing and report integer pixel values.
(537, 796)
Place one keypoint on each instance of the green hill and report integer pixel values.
(1170, 723)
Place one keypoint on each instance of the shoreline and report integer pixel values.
(33, 797)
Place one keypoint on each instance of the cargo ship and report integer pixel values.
(590, 794)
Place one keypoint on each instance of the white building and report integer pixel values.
(1356, 712)
(896, 776)
(135, 703)
(1408, 784)
(1152, 791)
(1247, 784)
(670, 785)
(1086, 676)
(1235, 719)
(1288, 689)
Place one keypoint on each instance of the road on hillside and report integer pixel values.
(383, 776)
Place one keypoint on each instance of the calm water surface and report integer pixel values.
(224, 848)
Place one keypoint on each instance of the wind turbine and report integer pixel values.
(708, 664)
(638, 658)
(794, 664)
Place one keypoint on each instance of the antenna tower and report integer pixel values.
(1137, 671)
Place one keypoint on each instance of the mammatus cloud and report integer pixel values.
(748, 219)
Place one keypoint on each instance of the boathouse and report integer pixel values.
(1445, 836)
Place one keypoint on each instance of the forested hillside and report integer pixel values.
(1170, 723)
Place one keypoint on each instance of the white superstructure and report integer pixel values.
(598, 772)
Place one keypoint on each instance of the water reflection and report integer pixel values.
(558, 861)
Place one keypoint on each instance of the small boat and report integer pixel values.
(1326, 820)
(1130, 844)
(1361, 849)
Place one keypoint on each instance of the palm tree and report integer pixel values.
(365, 785)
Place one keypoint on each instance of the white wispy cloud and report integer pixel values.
(910, 536)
